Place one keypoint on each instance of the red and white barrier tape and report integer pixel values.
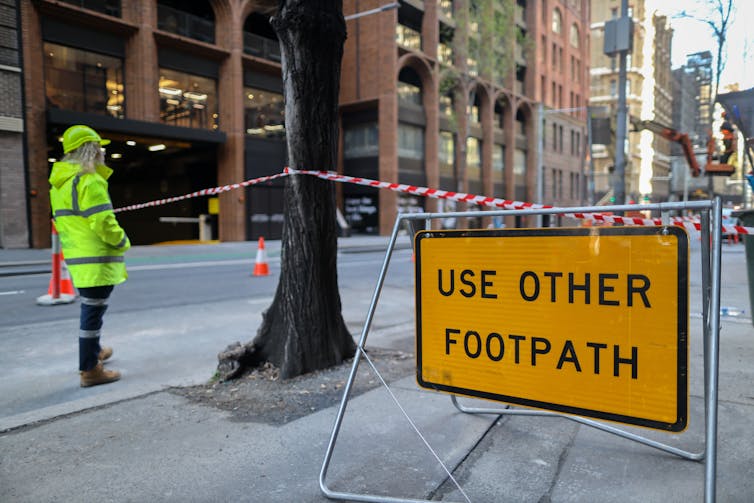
(490, 202)
(203, 192)
(498, 203)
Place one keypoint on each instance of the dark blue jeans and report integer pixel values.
(93, 307)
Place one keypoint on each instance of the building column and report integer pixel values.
(38, 168)
(388, 159)
(509, 137)
(387, 58)
(532, 145)
(488, 141)
(431, 137)
(141, 67)
(230, 155)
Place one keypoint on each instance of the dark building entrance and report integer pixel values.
(149, 168)
(264, 202)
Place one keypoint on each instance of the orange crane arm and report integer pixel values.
(671, 135)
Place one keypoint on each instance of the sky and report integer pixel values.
(691, 35)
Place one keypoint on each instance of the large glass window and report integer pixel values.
(360, 140)
(446, 8)
(446, 154)
(497, 119)
(445, 54)
(410, 142)
(264, 113)
(259, 39)
(519, 172)
(188, 100)
(498, 164)
(446, 106)
(475, 115)
(473, 159)
(189, 19)
(109, 7)
(83, 81)
(408, 37)
(557, 21)
(409, 94)
(574, 36)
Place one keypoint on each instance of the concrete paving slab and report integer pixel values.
(163, 448)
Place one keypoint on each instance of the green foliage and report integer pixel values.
(486, 33)
(503, 31)
(491, 38)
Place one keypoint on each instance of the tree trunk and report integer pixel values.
(303, 330)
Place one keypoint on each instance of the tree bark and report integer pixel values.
(303, 330)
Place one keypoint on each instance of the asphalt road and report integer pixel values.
(182, 277)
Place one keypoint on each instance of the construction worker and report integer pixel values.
(729, 137)
(93, 242)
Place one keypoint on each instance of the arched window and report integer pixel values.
(574, 36)
(557, 21)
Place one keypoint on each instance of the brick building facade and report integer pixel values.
(13, 193)
(191, 95)
(480, 136)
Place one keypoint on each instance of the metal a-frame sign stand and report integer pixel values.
(711, 241)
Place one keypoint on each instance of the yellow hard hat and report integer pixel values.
(77, 135)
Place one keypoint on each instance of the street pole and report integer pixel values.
(685, 185)
(382, 8)
(619, 187)
(540, 159)
(590, 183)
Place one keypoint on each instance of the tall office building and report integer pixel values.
(649, 97)
(699, 67)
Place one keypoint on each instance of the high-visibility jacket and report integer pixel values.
(93, 242)
(727, 131)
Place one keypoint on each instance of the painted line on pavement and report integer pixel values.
(187, 265)
(213, 263)
(12, 292)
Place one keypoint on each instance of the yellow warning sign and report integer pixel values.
(588, 321)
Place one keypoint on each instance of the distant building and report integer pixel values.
(699, 67)
(686, 91)
(693, 115)
(685, 107)
(648, 96)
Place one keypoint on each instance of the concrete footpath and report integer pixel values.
(161, 447)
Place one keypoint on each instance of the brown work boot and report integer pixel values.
(105, 353)
(98, 375)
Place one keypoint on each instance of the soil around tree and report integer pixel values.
(260, 396)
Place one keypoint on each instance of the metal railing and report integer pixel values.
(262, 47)
(185, 24)
(109, 7)
(711, 217)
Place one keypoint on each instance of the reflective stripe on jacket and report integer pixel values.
(93, 242)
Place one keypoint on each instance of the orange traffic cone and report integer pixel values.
(66, 285)
(261, 268)
(61, 289)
